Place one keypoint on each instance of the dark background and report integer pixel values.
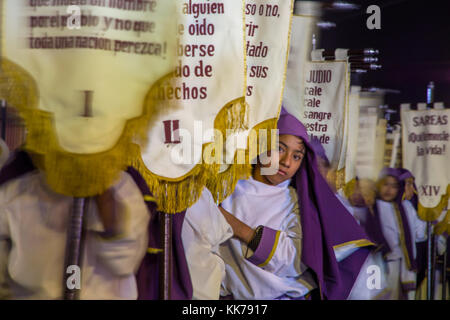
(414, 44)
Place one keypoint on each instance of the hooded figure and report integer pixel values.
(323, 247)
(330, 246)
(400, 229)
(33, 232)
(327, 226)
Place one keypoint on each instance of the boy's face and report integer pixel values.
(389, 188)
(291, 152)
(409, 188)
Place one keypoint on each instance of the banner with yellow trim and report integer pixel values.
(79, 75)
(425, 143)
(197, 104)
(267, 32)
(324, 106)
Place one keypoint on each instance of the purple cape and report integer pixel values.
(148, 275)
(325, 222)
(19, 163)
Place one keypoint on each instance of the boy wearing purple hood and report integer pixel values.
(401, 228)
(289, 241)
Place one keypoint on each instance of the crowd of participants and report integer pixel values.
(288, 235)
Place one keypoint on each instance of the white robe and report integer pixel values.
(33, 225)
(204, 229)
(370, 283)
(283, 275)
(397, 268)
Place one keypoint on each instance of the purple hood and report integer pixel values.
(325, 222)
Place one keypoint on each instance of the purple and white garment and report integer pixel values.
(274, 270)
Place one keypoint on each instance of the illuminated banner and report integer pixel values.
(268, 25)
(79, 75)
(325, 104)
(197, 103)
(425, 142)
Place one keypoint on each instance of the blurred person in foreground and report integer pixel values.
(33, 230)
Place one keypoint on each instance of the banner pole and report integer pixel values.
(430, 237)
(4, 109)
(444, 272)
(75, 238)
(166, 261)
(74, 246)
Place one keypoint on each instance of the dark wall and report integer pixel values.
(414, 44)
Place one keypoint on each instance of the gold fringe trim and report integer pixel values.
(432, 214)
(340, 178)
(231, 119)
(71, 174)
(349, 188)
(443, 227)
(336, 178)
(176, 195)
(367, 190)
(173, 195)
(222, 184)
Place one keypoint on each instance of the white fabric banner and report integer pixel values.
(353, 133)
(366, 143)
(210, 74)
(324, 106)
(393, 145)
(380, 146)
(268, 26)
(113, 49)
(303, 27)
(425, 141)
(267, 35)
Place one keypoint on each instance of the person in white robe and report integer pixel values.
(204, 229)
(274, 270)
(278, 251)
(33, 230)
(400, 262)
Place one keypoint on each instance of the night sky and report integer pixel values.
(414, 44)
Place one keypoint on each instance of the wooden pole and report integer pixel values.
(75, 239)
(165, 288)
(444, 272)
(4, 109)
(430, 237)
(74, 245)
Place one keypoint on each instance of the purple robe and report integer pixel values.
(400, 175)
(325, 223)
(18, 164)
